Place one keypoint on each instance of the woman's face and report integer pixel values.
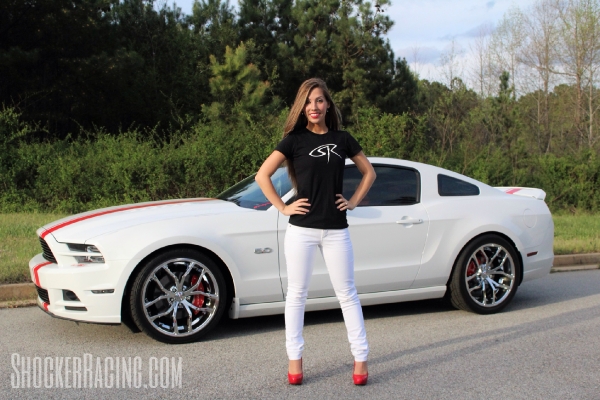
(316, 107)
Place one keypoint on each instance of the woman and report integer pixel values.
(315, 150)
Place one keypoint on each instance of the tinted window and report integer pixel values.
(247, 193)
(394, 186)
(449, 186)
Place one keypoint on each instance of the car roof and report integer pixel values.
(420, 167)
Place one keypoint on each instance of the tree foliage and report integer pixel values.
(109, 101)
(133, 63)
(236, 89)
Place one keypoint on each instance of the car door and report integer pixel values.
(251, 239)
(388, 231)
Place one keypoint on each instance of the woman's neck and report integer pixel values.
(317, 128)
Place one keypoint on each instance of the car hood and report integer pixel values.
(81, 227)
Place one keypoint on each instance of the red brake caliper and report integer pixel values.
(197, 300)
(472, 268)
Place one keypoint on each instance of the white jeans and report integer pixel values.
(336, 248)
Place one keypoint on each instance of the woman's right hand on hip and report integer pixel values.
(297, 207)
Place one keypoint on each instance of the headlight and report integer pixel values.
(93, 256)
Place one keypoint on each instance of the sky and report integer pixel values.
(424, 29)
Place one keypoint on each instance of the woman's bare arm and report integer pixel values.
(263, 178)
(368, 177)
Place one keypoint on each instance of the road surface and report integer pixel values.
(545, 345)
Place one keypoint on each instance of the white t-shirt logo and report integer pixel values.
(324, 150)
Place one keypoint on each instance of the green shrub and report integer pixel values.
(69, 176)
(99, 170)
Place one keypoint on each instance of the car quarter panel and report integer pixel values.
(455, 221)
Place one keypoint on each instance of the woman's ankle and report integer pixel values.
(360, 367)
(295, 367)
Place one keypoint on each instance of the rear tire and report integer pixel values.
(486, 275)
(178, 296)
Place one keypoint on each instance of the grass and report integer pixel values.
(579, 233)
(576, 234)
(18, 243)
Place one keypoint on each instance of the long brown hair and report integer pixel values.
(297, 120)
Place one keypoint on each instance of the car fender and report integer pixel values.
(157, 235)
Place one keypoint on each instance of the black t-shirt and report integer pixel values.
(319, 164)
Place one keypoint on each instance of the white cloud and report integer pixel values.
(484, 29)
(419, 54)
(433, 24)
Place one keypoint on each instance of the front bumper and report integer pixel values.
(43, 306)
(81, 280)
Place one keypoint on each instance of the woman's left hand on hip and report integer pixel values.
(343, 204)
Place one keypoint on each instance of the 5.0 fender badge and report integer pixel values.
(263, 251)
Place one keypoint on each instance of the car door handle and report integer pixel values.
(410, 221)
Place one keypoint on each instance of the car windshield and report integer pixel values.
(247, 193)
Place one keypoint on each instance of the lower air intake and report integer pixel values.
(43, 294)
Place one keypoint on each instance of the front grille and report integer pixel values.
(48, 256)
(43, 294)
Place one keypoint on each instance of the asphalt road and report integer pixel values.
(545, 345)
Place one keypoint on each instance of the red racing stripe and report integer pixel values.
(36, 277)
(512, 191)
(70, 222)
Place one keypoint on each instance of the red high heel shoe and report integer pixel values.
(359, 379)
(295, 379)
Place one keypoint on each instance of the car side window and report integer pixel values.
(394, 186)
(449, 186)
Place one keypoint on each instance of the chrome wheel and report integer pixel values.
(180, 297)
(490, 275)
(486, 275)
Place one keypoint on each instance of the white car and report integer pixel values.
(172, 268)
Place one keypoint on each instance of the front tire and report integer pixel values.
(178, 296)
(486, 275)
